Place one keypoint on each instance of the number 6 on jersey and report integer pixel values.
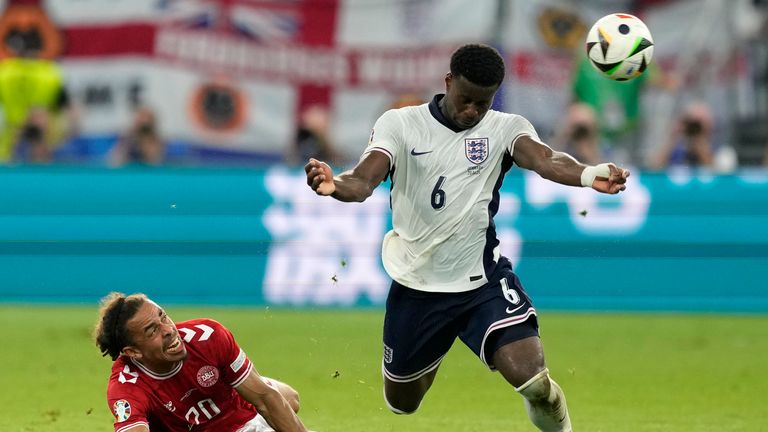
(438, 195)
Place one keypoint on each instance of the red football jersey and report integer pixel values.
(199, 394)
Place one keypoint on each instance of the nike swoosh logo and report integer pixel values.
(515, 309)
(415, 153)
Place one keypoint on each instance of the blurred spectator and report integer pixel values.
(617, 105)
(36, 108)
(31, 144)
(692, 143)
(312, 137)
(579, 136)
(141, 144)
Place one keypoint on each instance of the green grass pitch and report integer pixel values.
(638, 372)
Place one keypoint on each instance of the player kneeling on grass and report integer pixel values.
(187, 376)
(447, 160)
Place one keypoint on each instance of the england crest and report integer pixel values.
(388, 354)
(476, 149)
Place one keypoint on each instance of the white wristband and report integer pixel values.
(591, 172)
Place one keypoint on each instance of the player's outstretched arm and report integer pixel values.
(275, 409)
(354, 185)
(564, 169)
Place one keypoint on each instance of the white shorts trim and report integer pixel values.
(506, 322)
(412, 377)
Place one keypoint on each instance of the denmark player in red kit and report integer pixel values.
(190, 376)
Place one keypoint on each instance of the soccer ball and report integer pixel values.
(619, 46)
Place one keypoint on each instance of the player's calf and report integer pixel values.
(545, 403)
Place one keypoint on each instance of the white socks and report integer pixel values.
(545, 403)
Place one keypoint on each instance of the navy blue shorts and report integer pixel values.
(420, 327)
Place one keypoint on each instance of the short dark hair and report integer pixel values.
(479, 64)
(110, 333)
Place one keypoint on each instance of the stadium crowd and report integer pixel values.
(605, 119)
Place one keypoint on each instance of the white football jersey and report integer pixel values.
(445, 192)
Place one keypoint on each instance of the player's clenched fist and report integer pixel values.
(606, 178)
(319, 177)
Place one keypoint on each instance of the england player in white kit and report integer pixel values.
(446, 161)
(445, 186)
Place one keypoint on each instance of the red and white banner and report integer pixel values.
(235, 74)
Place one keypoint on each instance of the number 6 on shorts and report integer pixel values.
(510, 294)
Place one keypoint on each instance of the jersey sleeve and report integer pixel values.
(520, 126)
(234, 364)
(386, 136)
(128, 404)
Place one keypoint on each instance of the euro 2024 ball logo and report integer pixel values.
(122, 410)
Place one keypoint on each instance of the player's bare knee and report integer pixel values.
(401, 405)
(538, 388)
